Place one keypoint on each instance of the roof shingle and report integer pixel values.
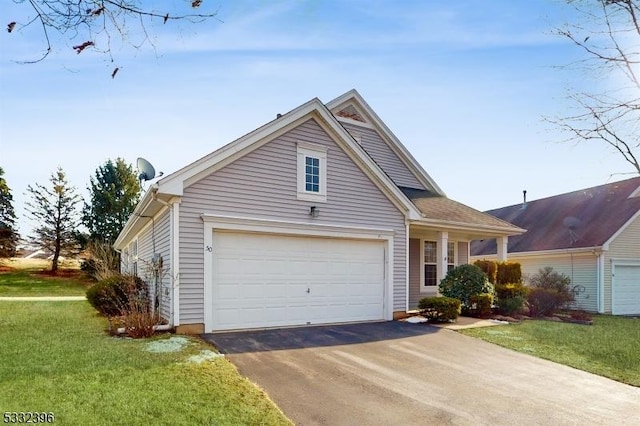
(584, 218)
(437, 207)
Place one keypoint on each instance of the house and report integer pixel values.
(319, 216)
(591, 235)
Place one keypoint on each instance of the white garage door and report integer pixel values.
(626, 290)
(264, 280)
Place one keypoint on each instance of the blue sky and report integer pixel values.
(464, 85)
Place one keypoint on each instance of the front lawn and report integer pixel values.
(610, 347)
(55, 357)
(27, 282)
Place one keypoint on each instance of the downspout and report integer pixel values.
(161, 327)
(601, 281)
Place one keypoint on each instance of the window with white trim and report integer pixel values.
(133, 256)
(430, 258)
(312, 172)
(451, 255)
(430, 261)
(125, 261)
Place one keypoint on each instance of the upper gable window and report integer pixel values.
(312, 172)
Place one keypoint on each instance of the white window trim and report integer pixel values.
(305, 149)
(432, 289)
(456, 258)
(424, 288)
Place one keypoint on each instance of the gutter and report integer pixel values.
(468, 227)
(147, 199)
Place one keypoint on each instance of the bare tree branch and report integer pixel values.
(78, 22)
(609, 36)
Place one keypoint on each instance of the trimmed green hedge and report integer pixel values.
(510, 298)
(439, 308)
(481, 305)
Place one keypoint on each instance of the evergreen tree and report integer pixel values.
(8, 235)
(114, 193)
(54, 209)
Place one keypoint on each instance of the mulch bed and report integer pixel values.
(573, 317)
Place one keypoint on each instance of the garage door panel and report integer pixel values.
(263, 280)
(626, 290)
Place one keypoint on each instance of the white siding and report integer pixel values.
(384, 156)
(626, 246)
(581, 268)
(155, 239)
(262, 184)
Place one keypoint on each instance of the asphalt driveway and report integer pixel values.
(395, 373)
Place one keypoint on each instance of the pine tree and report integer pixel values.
(54, 209)
(9, 237)
(114, 193)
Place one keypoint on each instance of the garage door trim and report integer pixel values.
(614, 263)
(267, 226)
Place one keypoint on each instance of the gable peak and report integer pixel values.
(351, 112)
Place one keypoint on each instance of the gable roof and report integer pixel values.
(351, 107)
(173, 185)
(586, 218)
(437, 208)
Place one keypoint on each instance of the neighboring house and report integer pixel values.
(591, 235)
(319, 216)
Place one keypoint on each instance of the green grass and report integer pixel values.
(56, 357)
(26, 282)
(610, 347)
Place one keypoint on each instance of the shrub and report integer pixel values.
(508, 272)
(511, 305)
(113, 296)
(465, 281)
(549, 292)
(439, 308)
(481, 305)
(489, 267)
(103, 261)
(510, 297)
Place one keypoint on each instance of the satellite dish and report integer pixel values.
(571, 223)
(147, 172)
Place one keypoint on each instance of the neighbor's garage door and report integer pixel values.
(626, 290)
(264, 280)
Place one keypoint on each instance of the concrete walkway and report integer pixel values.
(42, 298)
(460, 323)
(468, 322)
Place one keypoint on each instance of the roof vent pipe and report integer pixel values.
(524, 199)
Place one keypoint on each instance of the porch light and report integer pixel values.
(314, 211)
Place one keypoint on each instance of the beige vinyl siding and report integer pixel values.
(463, 253)
(624, 246)
(583, 273)
(384, 156)
(156, 239)
(262, 184)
